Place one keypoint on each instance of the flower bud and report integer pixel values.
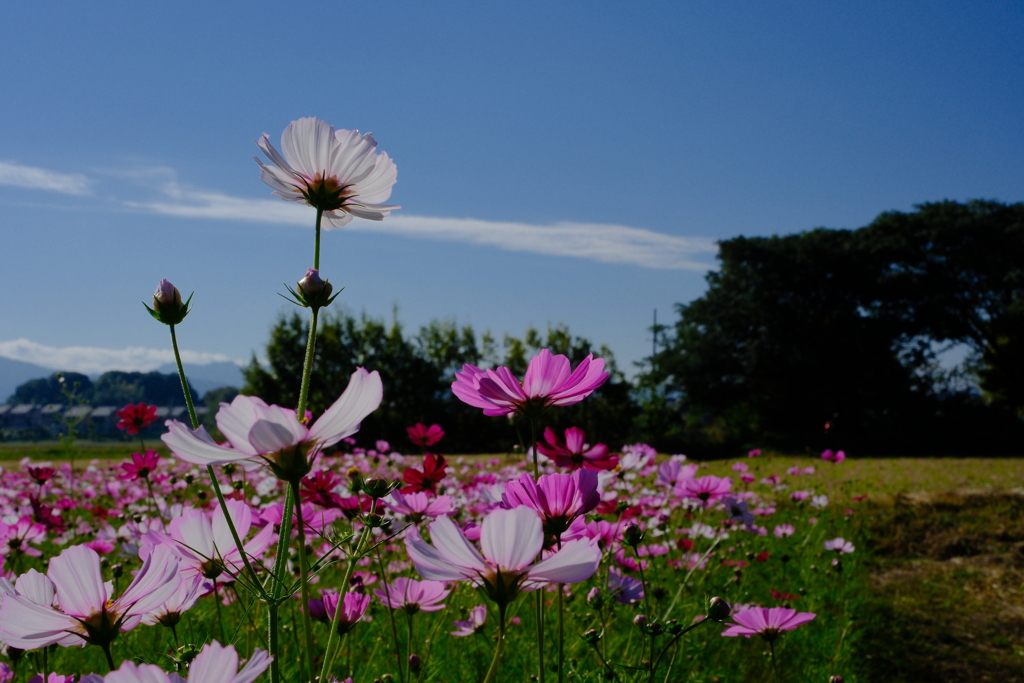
(592, 636)
(718, 609)
(673, 627)
(415, 663)
(632, 535)
(836, 679)
(168, 307)
(379, 487)
(594, 598)
(640, 620)
(312, 291)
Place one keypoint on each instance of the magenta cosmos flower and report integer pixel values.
(511, 541)
(575, 452)
(425, 436)
(136, 417)
(557, 498)
(416, 506)
(705, 489)
(141, 466)
(273, 435)
(337, 171)
(833, 458)
(216, 663)
(413, 596)
(549, 381)
(840, 546)
(473, 625)
(766, 622)
(353, 607)
(87, 611)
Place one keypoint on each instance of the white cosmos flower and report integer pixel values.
(337, 171)
(269, 434)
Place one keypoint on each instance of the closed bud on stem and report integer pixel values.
(312, 291)
(673, 627)
(640, 620)
(592, 636)
(594, 598)
(632, 535)
(379, 487)
(415, 663)
(168, 307)
(718, 609)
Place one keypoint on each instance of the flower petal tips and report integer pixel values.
(337, 171)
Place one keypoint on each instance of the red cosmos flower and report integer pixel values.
(574, 452)
(41, 474)
(319, 490)
(134, 418)
(43, 514)
(424, 436)
(426, 479)
(777, 595)
(141, 466)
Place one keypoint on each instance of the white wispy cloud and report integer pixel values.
(595, 241)
(34, 178)
(92, 360)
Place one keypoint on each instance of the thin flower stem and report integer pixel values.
(328, 655)
(408, 648)
(561, 635)
(391, 615)
(273, 641)
(184, 382)
(307, 623)
(110, 659)
(492, 672)
(307, 366)
(316, 243)
(220, 617)
(775, 669)
(654, 665)
(540, 636)
(278, 585)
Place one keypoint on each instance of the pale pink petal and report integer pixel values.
(511, 539)
(576, 561)
(153, 584)
(79, 581)
(196, 446)
(26, 625)
(545, 372)
(241, 515)
(234, 421)
(130, 672)
(256, 665)
(361, 397)
(36, 587)
(215, 664)
(308, 145)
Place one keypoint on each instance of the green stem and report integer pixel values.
(540, 635)
(184, 382)
(278, 578)
(273, 641)
(316, 244)
(561, 636)
(220, 617)
(391, 615)
(492, 672)
(408, 648)
(307, 624)
(307, 366)
(328, 656)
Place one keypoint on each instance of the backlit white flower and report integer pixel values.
(338, 171)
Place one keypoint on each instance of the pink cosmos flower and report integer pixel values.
(190, 589)
(424, 436)
(413, 596)
(258, 432)
(216, 663)
(473, 625)
(784, 530)
(510, 540)
(549, 381)
(766, 622)
(574, 452)
(15, 538)
(416, 506)
(41, 475)
(672, 471)
(134, 418)
(203, 542)
(87, 612)
(754, 453)
(337, 171)
(625, 589)
(834, 458)
(840, 546)
(353, 607)
(141, 466)
(557, 498)
(705, 489)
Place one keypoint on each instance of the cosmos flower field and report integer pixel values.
(286, 546)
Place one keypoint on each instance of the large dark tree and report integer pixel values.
(838, 330)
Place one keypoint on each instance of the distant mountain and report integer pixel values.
(14, 373)
(202, 378)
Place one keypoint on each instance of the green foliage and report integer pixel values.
(114, 388)
(417, 373)
(50, 389)
(842, 327)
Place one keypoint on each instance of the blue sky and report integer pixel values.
(558, 162)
